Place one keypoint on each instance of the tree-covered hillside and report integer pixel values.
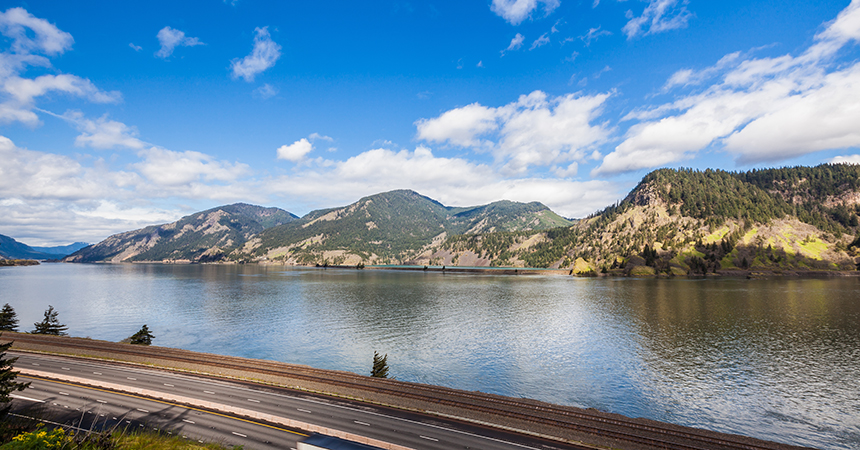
(391, 227)
(690, 221)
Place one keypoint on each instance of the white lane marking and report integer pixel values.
(240, 434)
(65, 368)
(142, 410)
(36, 364)
(362, 423)
(208, 392)
(97, 373)
(428, 438)
(252, 400)
(64, 393)
(186, 420)
(303, 410)
(130, 378)
(101, 401)
(26, 398)
(169, 385)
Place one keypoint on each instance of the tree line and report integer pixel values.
(50, 325)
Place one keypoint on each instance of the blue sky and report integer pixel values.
(116, 115)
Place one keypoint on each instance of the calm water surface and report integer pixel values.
(775, 359)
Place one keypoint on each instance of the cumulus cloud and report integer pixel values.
(103, 133)
(516, 11)
(264, 55)
(170, 38)
(170, 168)
(452, 181)
(296, 151)
(760, 109)
(658, 16)
(536, 130)
(846, 159)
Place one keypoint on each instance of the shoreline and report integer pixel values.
(761, 273)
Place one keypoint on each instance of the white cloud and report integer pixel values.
(846, 159)
(266, 52)
(593, 34)
(460, 127)
(515, 44)
(103, 133)
(536, 130)
(540, 42)
(30, 35)
(658, 16)
(766, 109)
(265, 91)
(516, 11)
(136, 48)
(296, 151)
(170, 168)
(452, 181)
(315, 136)
(170, 38)
(45, 38)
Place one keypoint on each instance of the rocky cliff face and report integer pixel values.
(202, 237)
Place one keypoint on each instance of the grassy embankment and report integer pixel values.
(40, 438)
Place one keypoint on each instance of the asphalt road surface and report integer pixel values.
(81, 406)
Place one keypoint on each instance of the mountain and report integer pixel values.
(201, 237)
(12, 249)
(697, 222)
(393, 227)
(61, 250)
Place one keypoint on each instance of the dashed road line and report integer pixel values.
(428, 438)
(362, 423)
(240, 434)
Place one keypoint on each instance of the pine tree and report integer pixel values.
(50, 324)
(142, 337)
(8, 319)
(7, 380)
(380, 366)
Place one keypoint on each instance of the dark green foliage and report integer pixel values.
(397, 225)
(8, 319)
(50, 324)
(7, 380)
(380, 366)
(142, 337)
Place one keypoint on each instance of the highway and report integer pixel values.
(78, 405)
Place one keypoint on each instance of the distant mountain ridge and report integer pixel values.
(12, 249)
(674, 222)
(394, 227)
(205, 236)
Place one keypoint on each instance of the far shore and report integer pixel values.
(756, 273)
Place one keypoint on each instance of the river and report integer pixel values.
(775, 359)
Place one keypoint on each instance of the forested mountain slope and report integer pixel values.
(694, 222)
(393, 227)
(206, 236)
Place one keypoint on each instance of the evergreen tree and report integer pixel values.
(142, 337)
(8, 319)
(50, 324)
(380, 366)
(7, 380)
